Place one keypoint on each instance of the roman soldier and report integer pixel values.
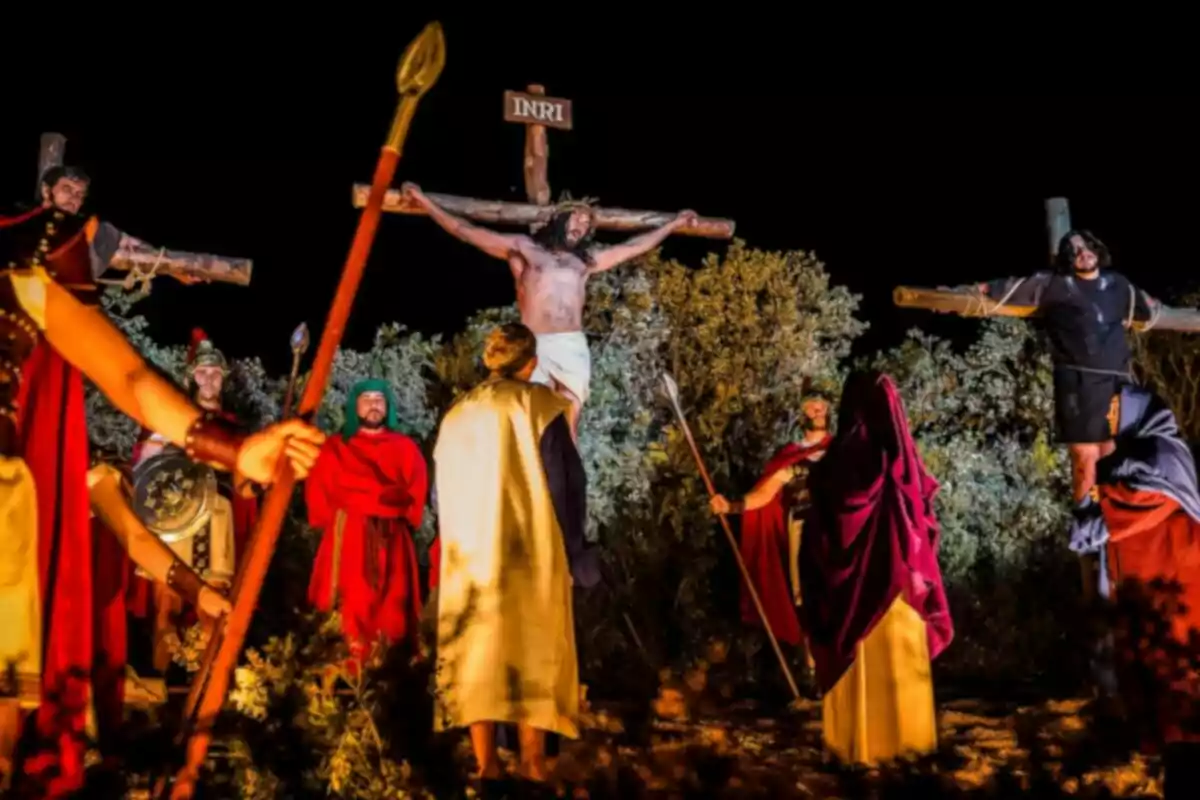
(211, 551)
(51, 335)
(773, 519)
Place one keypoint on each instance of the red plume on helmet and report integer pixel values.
(198, 336)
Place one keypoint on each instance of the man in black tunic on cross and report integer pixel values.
(1085, 307)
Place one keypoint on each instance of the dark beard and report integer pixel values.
(815, 425)
(372, 425)
(553, 237)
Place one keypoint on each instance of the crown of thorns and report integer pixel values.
(567, 203)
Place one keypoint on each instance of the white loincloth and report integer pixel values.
(564, 358)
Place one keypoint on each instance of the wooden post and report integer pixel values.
(50, 155)
(537, 157)
(1058, 222)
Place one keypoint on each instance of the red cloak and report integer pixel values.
(54, 432)
(53, 428)
(1151, 507)
(378, 483)
(871, 534)
(764, 546)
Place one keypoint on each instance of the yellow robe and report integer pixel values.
(883, 707)
(506, 630)
(20, 592)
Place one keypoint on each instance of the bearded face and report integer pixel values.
(816, 415)
(1085, 260)
(209, 382)
(372, 410)
(67, 194)
(579, 225)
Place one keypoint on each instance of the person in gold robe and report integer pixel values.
(874, 607)
(511, 505)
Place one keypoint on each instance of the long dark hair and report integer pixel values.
(1066, 251)
(55, 174)
(553, 236)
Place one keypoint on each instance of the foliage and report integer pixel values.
(983, 419)
(1169, 362)
(333, 706)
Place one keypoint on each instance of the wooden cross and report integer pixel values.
(538, 112)
(140, 261)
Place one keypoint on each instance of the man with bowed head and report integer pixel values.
(551, 269)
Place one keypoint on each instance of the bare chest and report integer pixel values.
(557, 274)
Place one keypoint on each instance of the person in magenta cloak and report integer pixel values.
(772, 521)
(870, 580)
(366, 494)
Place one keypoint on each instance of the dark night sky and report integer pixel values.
(245, 142)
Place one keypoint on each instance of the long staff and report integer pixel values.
(419, 69)
(671, 389)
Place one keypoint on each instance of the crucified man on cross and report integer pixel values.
(551, 269)
(1086, 307)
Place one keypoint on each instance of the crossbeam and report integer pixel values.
(973, 304)
(499, 212)
(134, 255)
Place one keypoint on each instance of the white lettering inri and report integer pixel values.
(541, 110)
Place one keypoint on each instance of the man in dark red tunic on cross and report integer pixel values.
(367, 495)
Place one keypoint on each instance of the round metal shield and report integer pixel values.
(174, 495)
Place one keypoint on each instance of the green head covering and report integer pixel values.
(370, 385)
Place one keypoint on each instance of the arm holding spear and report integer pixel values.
(419, 69)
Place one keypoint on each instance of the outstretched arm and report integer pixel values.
(1028, 291)
(1142, 306)
(85, 338)
(497, 245)
(763, 492)
(109, 503)
(610, 257)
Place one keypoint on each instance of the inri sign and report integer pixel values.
(532, 109)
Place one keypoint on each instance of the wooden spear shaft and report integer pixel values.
(419, 69)
(672, 392)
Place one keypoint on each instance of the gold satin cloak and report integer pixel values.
(506, 630)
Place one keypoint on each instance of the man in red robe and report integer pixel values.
(874, 608)
(772, 524)
(367, 495)
(214, 550)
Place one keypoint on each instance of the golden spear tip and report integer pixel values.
(422, 62)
